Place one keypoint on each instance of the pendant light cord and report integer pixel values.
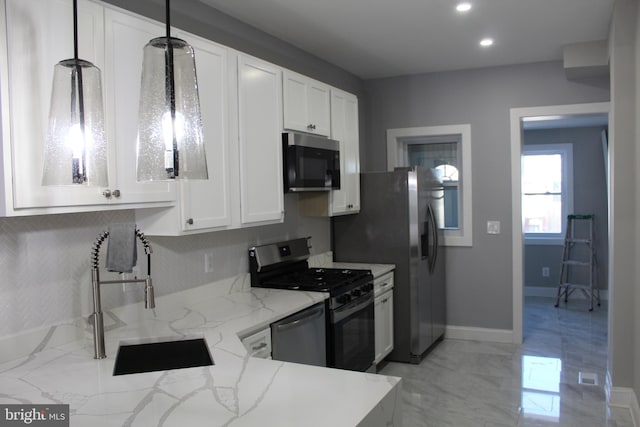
(75, 29)
(171, 92)
(80, 170)
(168, 19)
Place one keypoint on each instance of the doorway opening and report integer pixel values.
(536, 120)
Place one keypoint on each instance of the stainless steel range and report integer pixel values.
(350, 323)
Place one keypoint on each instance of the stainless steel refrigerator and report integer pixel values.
(399, 223)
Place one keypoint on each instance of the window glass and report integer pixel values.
(443, 157)
(542, 193)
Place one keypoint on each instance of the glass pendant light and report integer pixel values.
(75, 147)
(170, 141)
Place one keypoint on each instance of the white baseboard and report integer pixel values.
(623, 397)
(479, 334)
(552, 292)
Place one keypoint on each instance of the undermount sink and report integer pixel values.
(161, 356)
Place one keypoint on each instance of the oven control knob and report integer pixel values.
(343, 299)
(356, 292)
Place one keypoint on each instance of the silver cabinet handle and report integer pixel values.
(108, 193)
(259, 346)
(312, 315)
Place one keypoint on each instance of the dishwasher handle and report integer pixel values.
(314, 314)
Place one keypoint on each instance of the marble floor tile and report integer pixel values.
(478, 384)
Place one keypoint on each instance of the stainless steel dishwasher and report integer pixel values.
(301, 337)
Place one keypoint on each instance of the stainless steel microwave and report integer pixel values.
(311, 163)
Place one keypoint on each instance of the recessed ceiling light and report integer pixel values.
(463, 7)
(486, 42)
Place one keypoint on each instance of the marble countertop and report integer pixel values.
(237, 391)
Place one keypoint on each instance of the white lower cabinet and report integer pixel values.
(258, 344)
(383, 314)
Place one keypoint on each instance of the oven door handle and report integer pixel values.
(347, 310)
(301, 321)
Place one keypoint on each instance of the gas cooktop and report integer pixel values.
(318, 279)
(284, 265)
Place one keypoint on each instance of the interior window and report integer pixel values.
(546, 190)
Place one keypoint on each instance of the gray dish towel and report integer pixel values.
(121, 250)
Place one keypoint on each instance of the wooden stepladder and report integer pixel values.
(578, 270)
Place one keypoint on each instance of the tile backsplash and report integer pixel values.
(45, 269)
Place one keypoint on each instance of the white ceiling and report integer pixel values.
(382, 38)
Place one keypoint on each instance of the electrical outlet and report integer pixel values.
(208, 262)
(545, 271)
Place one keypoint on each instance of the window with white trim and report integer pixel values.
(447, 149)
(547, 192)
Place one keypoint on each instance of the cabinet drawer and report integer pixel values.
(383, 283)
(259, 344)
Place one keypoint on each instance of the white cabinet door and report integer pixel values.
(206, 203)
(40, 34)
(306, 104)
(383, 315)
(387, 305)
(126, 36)
(260, 141)
(319, 107)
(344, 128)
(378, 315)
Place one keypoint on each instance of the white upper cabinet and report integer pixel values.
(39, 34)
(203, 205)
(260, 141)
(126, 37)
(306, 104)
(240, 99)
(344, 128)
(207, 203)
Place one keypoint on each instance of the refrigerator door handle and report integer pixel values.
(424, 239)
(434, 231)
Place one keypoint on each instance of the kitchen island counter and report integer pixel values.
(237, 391)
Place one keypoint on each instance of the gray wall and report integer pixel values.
(624, 292)
(479, 288)
(589, 194)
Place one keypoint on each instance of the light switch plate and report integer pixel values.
(493, 227)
